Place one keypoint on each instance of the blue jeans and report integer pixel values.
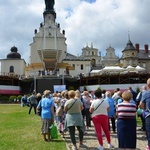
(147, 126)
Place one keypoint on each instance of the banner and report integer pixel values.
(59, 88)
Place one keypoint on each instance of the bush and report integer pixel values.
(84, 88)
(19, 97)
(99, 89)
(4, 99)
(11, 98)
(71, 88)
(137, 89)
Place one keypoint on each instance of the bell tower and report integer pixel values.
(49, 47)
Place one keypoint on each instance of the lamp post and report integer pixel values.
(35, 82)
(63, 77)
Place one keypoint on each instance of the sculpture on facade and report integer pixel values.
(49, 4)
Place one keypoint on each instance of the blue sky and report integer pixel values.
(101, 22)
(89, 1)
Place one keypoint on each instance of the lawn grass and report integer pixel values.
(138, 120)
(21, 131)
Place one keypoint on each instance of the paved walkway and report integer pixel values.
(91, 143)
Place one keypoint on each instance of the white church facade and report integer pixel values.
(48, 53)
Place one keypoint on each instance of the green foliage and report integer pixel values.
(84, 88)
(71, 88)
(4, 99)
(99, 89)
(19, 97)
(11, 98)
(137, 90)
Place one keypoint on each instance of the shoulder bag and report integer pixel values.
(99, 105)
(72, 104)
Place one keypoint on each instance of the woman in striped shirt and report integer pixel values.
(126, 122)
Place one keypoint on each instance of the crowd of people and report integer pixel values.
(72, 110)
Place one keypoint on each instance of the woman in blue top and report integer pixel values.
(47, 114)
(145, 105)
(111, 112)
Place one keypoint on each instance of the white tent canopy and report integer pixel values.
(95, 71)
(130, 68)
(139, 68)
(112, 68)
(117, 69)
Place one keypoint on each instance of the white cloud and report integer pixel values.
(101, 22)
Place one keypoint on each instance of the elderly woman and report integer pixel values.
(99, 109)
(74, 118)
(47, 114)
(87, 103)
(126, 122)
(111, 112)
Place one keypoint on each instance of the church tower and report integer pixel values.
(49, 47)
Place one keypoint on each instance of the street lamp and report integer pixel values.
(35, 82)
(63, 77)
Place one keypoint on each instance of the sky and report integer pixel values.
(100, 22)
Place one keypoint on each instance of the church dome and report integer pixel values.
(13, 54)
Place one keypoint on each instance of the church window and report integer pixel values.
(11, 69)
(144, 65)
(93, 63)
(92, 53)
(81, 67)
(127, 63)
(73, 66)
(110, 54)
(133, 62)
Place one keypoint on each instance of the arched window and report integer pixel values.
(11, 69)
(93, 62)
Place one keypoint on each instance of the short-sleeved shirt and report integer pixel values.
(46, 105)
(102, 109)
(126, 110)
(111, 106)
(146, 100)
(76, 108)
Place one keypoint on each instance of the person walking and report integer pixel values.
(145, 105)
(33, 102)
(99, 109)
(23, 101)
(126, 122)
(74, 118)
(87, 102)
(111, 112)
(138, 99)
(47, 115)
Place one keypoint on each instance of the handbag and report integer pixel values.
(59, 111)
(53, 131)
(40, 109)
(39, 112)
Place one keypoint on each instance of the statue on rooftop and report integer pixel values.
(49, 5)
